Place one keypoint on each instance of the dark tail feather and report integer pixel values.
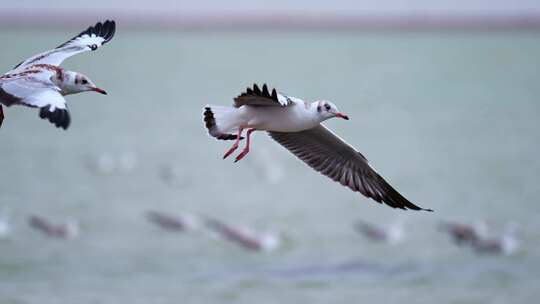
(210, 123)
(59, 117)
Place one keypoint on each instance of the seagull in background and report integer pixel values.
(296, 125)
(40, 82)
(245, 237)
(462, 233)
(392, 234)
(69, 230)
(505, 244)
(169, 222)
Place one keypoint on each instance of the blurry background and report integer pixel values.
(443, 100)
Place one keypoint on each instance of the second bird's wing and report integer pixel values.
(330, 155)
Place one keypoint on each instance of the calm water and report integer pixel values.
(452, 120)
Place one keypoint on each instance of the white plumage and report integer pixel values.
(296, 125)
(39, 82)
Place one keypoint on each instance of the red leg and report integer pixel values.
(235, 145)
(246, 149)
(1, 115)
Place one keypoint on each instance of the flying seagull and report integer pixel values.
(40, 82)
(296, 125)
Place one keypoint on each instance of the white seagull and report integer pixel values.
(40, 82)
(296, 125)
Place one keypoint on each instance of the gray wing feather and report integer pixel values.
(330, 155)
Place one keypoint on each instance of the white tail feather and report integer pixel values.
(221, 122)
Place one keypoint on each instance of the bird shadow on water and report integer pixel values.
(311, 274)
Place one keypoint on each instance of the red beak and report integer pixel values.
(341, 115)
(99, 91)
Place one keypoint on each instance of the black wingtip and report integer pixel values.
(59, 117)
(105, 30)
(416, 208)
(410, 206)
(274, 94)
(257, 91)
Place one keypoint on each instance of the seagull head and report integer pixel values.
(81, 83)
(327, 110)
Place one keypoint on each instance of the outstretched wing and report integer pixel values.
(258, 97)
(37, 92)
(330, 155)
(89, 40)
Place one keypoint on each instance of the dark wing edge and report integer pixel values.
(104, 30)
(59, 117)
(317, 148)
(257, 97)
(18, 65)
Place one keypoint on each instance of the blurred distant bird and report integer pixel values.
(296, 125)
(392, 234)
(39, 82)
(463, 233)
(505, 244)
(68, 230)
(5, 227)
(181, 222)
(108, 163)
(244, 236)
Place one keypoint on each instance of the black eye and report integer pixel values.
(327, 107)
(84, 81)
(93, 47)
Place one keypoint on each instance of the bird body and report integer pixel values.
(295, 118)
